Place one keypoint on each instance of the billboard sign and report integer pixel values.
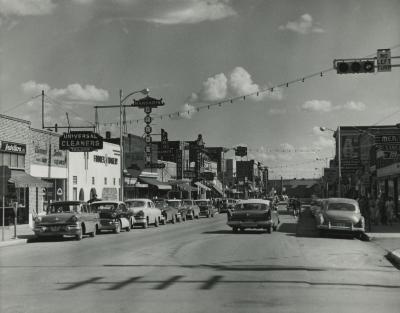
(81, 141)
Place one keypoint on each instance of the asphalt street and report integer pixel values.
(200, 266)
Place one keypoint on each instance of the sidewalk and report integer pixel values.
(384, 231)
(24, 232)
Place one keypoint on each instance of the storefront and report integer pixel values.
(16, 151)
(94, 174)
(155, 187)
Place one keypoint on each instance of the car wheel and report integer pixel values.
(128, 228)
(156, 222)
(117, 228)
(98, 231)
(79, 236)
(274, 227)
(132, 224)
(235, 229)
(269, 229)
(145, 224)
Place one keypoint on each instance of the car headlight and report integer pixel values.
(141, 213)
(73, 219)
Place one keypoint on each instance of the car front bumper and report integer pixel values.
(250, 224)
(338, 228)
(56, 231)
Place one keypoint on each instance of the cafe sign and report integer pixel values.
(81, 141)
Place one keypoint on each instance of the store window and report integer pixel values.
(105, 180)
(93, 181)
(74, 180)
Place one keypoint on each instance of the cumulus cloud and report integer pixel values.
(73, 92)
(317, 105)
(277, 111)
(188, 111)
(192, 11)
(26, 7)
(237, 83)
(356, 106)
(326, 106)
(303, 25)
(324, 142)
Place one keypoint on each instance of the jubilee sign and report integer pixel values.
(81, 141)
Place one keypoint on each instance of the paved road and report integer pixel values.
(200, 266)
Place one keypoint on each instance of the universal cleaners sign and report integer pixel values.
(11, 147)
(81, 141)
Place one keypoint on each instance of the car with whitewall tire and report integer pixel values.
(145, 212)
(67, 218)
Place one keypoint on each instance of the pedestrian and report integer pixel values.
(389, 210)
(376, 215)
(363, 204)
(381, 208)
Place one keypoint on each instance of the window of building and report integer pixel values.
(12, 160)
(114, 181)
(93, 181)
(105, 180)
(74, 193)
(74, 180)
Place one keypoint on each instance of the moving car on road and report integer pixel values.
(340, 215)
(227, 204)
(253, 213)
(114, 216)
(190, 209)
(207, 209)
(145, 212)
(66, 218)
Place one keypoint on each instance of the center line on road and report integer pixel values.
(168, 282)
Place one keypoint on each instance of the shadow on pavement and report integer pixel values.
(229, 231)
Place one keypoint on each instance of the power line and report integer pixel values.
(21, 103)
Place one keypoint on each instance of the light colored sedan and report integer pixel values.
(340, 215)
(145, 212)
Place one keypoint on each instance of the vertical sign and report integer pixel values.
(383, 58)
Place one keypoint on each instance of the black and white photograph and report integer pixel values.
(192, 156)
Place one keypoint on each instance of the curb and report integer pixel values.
(394, 257)
(13, 242)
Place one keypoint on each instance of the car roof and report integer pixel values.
(341, 200)
(69, 202)
(255, 201)
(137, 199)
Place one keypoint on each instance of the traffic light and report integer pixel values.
(355, 66)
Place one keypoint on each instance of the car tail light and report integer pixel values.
(73, 219)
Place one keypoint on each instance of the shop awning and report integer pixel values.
(154, 182)
(218, 190)
(23, 180)
(199, 184)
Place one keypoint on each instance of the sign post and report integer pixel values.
(383, 57)
(5, 174)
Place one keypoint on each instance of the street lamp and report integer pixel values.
(339, 157)
(144, 91)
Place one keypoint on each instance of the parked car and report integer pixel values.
(253, 213)
(207, 209)
(114, 216)
(340, 215)
(145, 212)
(170, 210)
(67, 218)
(227, 204)
(316, 206)
(282, 206)
(190, 209)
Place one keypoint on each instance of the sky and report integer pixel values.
(235, 56)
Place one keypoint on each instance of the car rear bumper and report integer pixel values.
(140, 220)
(108, 224)
(250, 224)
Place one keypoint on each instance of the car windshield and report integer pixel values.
(63, 208)
(135, 204)
(103, 206)
(174, 204)
(187, 202)
(251, 206)
(349, 207)
(159, 203)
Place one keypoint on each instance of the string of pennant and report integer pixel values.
(220, 103)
